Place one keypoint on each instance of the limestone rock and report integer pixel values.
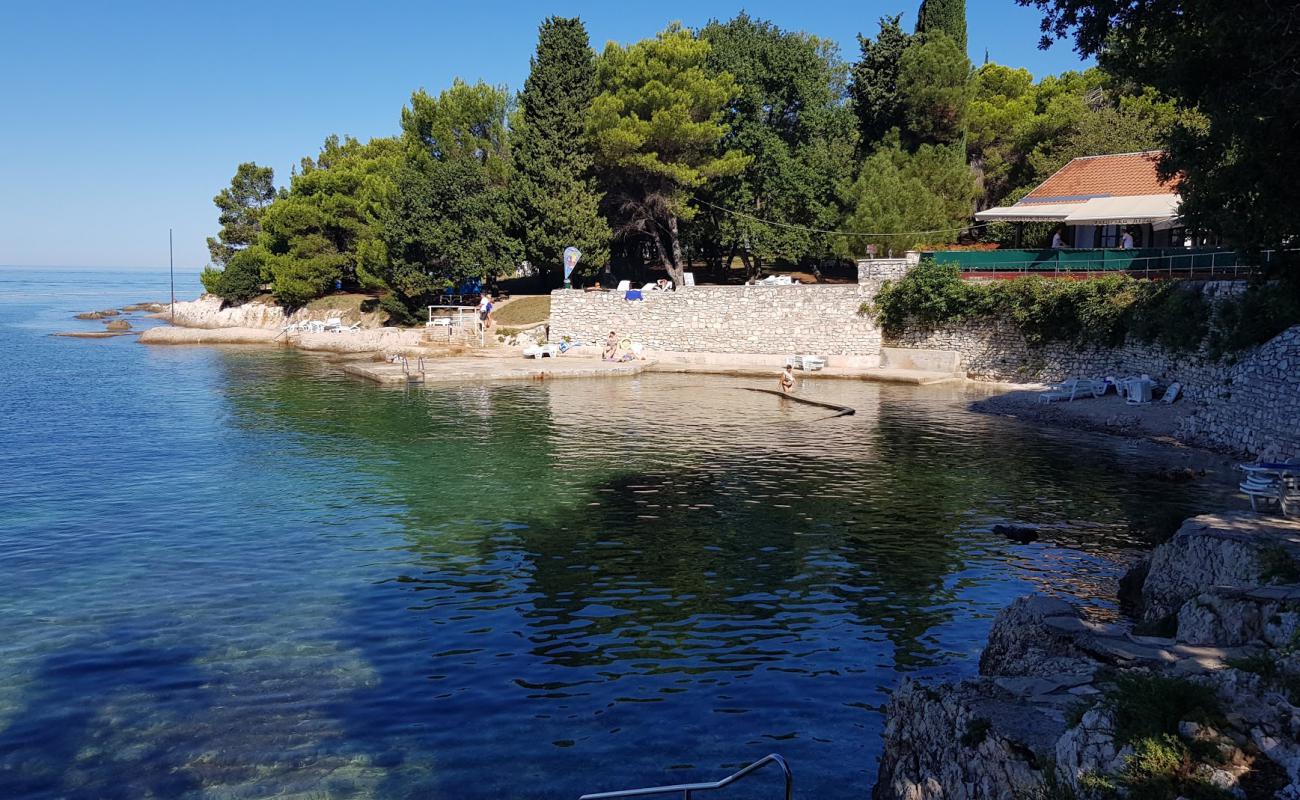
(1211, 619)
(119, 325)
(1089, 748)
(1022, 643)
(970, 741)
(1211, 550)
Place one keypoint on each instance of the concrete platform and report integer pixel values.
(488, 370)
(911, 377)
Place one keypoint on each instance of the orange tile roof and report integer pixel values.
(1121, 175)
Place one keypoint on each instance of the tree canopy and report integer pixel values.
(555, 189)
(742, 139)
(656, 126)
(1236, 66)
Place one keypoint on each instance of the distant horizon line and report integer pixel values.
(101, 267)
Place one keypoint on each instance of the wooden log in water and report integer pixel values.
(842, 411)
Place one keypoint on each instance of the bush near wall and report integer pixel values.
(1101, 311)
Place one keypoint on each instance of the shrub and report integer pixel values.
(1147, 706)
(1100, 311)
(240, 281)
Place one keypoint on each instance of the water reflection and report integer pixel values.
(462, 591)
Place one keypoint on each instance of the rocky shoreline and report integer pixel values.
(1197, 697)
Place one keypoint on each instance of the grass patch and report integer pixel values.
(1277, 566)
(1147, 711)
(521, 312)
(1266, 666)
(1150, 706)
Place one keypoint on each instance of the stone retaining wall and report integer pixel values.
(726, 319)
(1251, 404)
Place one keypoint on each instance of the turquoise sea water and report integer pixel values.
(230, 573)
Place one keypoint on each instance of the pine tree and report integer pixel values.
(945, 16)
(556, 199)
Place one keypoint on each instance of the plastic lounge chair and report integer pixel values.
(1171, 394)
(1069, 390)
(542, 351)
(623, 286)
(1261, 487)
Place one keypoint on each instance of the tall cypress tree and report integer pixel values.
(946, 16)
(874, 82)
(556, 199)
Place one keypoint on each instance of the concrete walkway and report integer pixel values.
(489, 369)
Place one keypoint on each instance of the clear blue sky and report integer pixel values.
(123, 119)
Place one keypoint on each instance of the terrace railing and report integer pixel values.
(1146, 262)
(688, 790)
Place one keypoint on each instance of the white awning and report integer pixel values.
(1029, 212)
(1157, 209)
(1135, 210)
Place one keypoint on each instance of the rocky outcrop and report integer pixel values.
(941, 743)
(1022, 643)
(1044, 717)
(210, 312)
(1215, 550)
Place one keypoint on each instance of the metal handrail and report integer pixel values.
(687, 789)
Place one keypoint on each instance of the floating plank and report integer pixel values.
(841, 411)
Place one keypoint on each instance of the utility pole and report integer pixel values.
(171, 271)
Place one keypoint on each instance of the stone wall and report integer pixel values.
(1250, 405)
(815, 319)
(1256, 408)
(881, 269)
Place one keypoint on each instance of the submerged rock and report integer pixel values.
(108, 312)
(1023, 534)
(119, 325)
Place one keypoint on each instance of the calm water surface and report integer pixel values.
(230, 573)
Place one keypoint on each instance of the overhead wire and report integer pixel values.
(833, 232)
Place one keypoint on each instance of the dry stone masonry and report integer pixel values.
(782, 320)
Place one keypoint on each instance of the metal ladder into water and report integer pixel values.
(687, 790)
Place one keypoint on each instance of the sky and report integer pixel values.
(121, 120)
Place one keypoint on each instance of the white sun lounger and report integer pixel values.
(542, 351)
(1074, 387)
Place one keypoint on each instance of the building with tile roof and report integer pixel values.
(1096, 199)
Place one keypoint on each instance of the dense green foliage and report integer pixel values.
(741, 139)
(450, 217)
(656, 127)
(934, 85)
(786, 114)
(1101, 311)
(241, 205)
(874, 88)
(1235, 65)
(925, 195)
(943, 16)
(554, 187)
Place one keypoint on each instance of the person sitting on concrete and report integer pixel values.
(611, 347)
